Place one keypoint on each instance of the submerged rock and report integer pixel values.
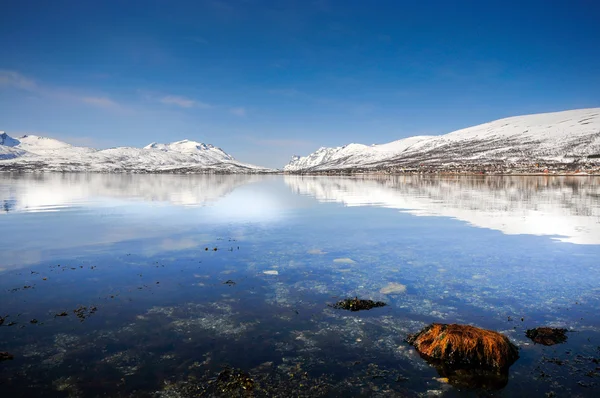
(393, 288)
(356, 304)
(547, 336)
(468, 356)
(271, 272)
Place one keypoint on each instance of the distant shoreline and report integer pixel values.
(331, 173)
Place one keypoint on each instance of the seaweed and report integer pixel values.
(83, 312)
(468, 356)
(234, 381)
(547, 336)
(356, 304)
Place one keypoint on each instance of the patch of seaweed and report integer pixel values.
(234, 381)
(468, 356)
(356, 304)
(83, 312)
(547, 336)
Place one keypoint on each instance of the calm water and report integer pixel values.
(175, 278)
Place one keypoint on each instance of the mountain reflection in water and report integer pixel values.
(192, 285)
(565, 207)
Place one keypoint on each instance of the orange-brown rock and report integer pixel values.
(467, 355)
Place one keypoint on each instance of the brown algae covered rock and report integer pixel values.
(547, 336)
(468, 356)
(356, 304)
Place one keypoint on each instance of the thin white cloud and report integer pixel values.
(16, 80)
(239, 111)
(101, 102)
(184, 102)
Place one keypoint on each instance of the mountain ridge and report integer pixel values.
(37, 153)
(555, 139)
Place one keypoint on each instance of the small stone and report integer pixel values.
(271, 272)
(344, 260)
(393, 288)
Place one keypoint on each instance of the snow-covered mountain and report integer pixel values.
(34, 153)
(559, 137)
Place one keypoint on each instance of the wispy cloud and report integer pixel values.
(19, 81)
(239, 111)
(16, 80)
(184, 102)
(101, 102)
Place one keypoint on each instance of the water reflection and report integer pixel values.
(44, 192)
(77, 213)
(165, 311)
(567, 208)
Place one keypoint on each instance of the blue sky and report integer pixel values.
(268, 79)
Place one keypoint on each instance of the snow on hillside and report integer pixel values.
(187, 146)
(8, 148)
(34, 153)
(558, 136)
(45, 146)
(7, 140)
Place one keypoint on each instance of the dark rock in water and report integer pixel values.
(355, 304)
(234, 381)
(5, 356)
(83, 312)
(547, 336)
(468, 356)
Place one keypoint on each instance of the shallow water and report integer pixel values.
(173, 280)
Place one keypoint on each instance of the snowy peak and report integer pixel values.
(559, 137)
(7, 140)
(188, 146)
(47, 146)
(35, 153)
(42, 142)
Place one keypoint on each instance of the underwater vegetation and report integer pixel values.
(356, 304)
(547, 336)
(466, 355)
